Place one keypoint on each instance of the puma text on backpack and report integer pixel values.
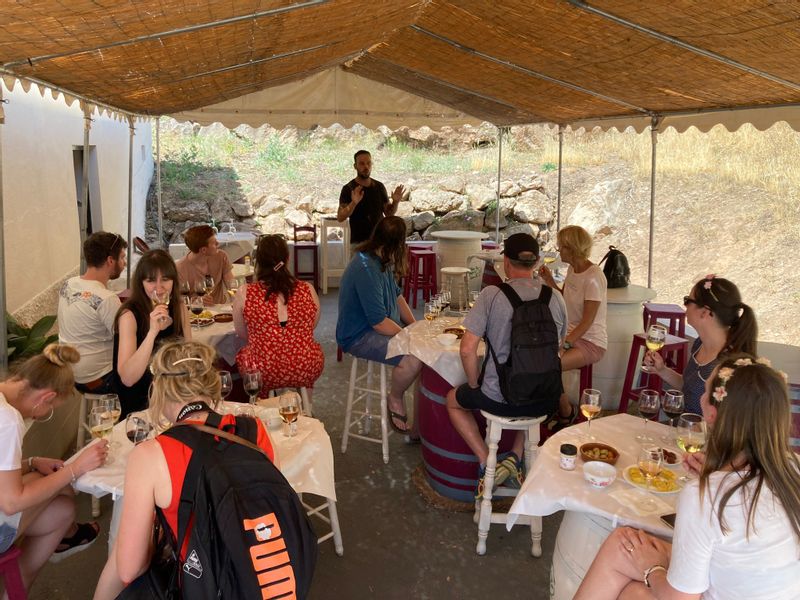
(531, 376)
(616, 269)
(250, 536)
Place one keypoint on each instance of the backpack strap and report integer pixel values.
(610, 250)
(545, 294)
(511, 294)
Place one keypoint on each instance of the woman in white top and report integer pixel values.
(584, 292)
(36, 501)
(737, 533)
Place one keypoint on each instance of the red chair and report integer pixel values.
(421, 276)
(9, 571)
(307, 246)
(677, 345)
(672, 313)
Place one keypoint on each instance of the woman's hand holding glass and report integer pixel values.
(656, 338)
(159, 318)
(93, 456)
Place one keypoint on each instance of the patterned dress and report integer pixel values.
(286, 353)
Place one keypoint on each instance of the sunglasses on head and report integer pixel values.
(687, 300)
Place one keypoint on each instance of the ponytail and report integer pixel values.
(743, 334)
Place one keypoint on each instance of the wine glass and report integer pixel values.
(252, 385)
(185, 290)
(289, 409)
(430, 312)
(473, 298)
(650, 460)
(196, 306)
(672, 405)
(226, 383)
(649, 404)
(208, 283)
(101, 424)
(110, 402)
(656, 338)
(590, 408)
(137, 429)
(233, 287)
(691, 433)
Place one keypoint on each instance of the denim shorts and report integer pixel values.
(9, 526)
(372, 346)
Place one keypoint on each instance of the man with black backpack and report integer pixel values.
(523, 323)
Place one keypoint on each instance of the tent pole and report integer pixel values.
(499, 167)
(158, 182)
(653, 143)
(83, 205)
(560, 154)
(130, 197)
(3, 321)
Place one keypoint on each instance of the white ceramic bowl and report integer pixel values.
(272, 417)
(445, 339)
(599, 474)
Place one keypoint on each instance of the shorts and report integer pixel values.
(9, 527)
(373, 346)
(591, 352)
(475, 399)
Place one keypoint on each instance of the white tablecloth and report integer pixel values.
(220, 336)
(419, 339)
(306, 460)
(235, 245)
(549, 488)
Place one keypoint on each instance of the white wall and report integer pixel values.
(42, 235)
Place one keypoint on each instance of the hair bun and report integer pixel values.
(61, 354)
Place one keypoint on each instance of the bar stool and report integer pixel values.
(484, 516)
(673, 344)
(672, 313)
(307, 246)
(9, 571)
(421, 276)
(489, 245)
(362, 419)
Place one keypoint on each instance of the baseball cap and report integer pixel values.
(519, 243)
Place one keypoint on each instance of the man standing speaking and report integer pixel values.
(364, 200)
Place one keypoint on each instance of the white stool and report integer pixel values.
(87, 401)
(484, 516)
(356, 393)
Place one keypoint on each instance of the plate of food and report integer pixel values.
(201, 321)
(672, 458)
(666, 482)
(223, 317)
(456, 330)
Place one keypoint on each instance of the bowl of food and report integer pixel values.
(599, 452)
(599, 474)
(671, 458)
(456, 330)
(446, 339)
(223, 317)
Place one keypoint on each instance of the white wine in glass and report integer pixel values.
(289, 410)
(650, 460)
(590, 408)
(691, 433)
(656, 338)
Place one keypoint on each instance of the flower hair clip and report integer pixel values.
(709, 283)
(725, 373)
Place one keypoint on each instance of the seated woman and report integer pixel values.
(724, 325)
(153, 313)
(585, 295)
(205, 259)
(737, 532)
(372, 309)
(36, 500)
(276, 315)
(183, 374)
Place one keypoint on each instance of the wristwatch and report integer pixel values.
(650, 571)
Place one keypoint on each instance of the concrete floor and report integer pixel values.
(396, 546)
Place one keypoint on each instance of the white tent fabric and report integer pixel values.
(331, 96)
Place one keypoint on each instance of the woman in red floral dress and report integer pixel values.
(277, 315)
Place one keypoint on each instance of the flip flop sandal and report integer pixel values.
(84, 537)
(403, 418)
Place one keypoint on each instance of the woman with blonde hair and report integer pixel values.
(186, 388)
(737, 531)
(36, 500)
(584, 292)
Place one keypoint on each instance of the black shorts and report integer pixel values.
(474, 398)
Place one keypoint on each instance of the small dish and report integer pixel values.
(201, 321)
(223, 318)
(457, 330)
(672, 458)
(666, 482)
(271, 417)
(446, 339)
(600, 452)
(599, 474)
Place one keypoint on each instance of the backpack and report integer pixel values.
(616, 269)
(250, 536)
(531, 376)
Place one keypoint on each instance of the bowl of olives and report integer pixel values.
(597, 451)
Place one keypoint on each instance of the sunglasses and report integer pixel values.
(687, 300)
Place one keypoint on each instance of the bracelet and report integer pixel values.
(74, 479)
(650, 571)
(30, 464)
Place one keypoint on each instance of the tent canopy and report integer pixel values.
(612, 63)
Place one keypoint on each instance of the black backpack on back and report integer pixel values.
(531, 376)
(616, 269)
(250, 536)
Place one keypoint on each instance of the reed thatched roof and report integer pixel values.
(504, 61)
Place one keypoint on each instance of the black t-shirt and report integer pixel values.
(368, 212)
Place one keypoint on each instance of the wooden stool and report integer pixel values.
(672, 313)
(484, 516)
(673, 344)
(421, 276)
(358, 392)
(9, 571)
(489, 245)
(306, 246)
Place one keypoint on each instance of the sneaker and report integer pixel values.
(501, 475)
(513, 466)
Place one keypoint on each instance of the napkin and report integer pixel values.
(642, 503)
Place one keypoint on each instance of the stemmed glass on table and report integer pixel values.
(252, 384)
(672, 405)
(226, 383)
(649, 404)
(101, 424)
(656, 338)
(289, 410)
(196, 307)
(137, 429)
(650, 461)
(691, 433)
(208, 283)
(590, 408)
